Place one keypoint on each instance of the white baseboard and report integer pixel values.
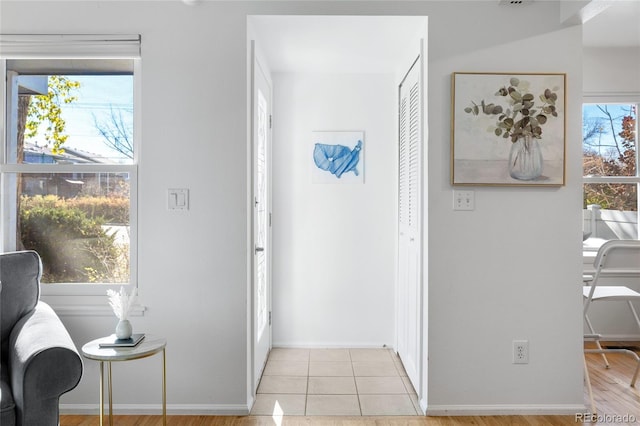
(507, 409)
(243, 410)
(156, 409)
(329, 345)
(620, 337)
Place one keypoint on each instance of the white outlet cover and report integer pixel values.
(520, 351)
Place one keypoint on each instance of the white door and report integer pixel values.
(409, 300)
(261, 111)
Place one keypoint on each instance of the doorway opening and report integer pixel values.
(335, 261)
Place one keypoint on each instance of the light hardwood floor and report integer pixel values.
(612, 394)
(324, 421)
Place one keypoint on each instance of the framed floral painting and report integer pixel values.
(508, 129)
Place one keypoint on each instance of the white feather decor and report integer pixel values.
(121, 302)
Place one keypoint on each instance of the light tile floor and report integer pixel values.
(340, 382)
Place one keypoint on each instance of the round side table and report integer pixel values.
(149, 346)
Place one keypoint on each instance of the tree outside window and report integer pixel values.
(610, 169)
(72, 165)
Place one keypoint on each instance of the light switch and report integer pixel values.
(180, 202)
(178, 199)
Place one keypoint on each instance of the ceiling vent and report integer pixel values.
(515, 2)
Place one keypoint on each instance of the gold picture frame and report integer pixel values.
(508, 129)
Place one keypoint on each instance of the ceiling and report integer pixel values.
(342, 44)
(616, 26)
(327, 43)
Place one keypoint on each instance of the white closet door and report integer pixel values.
(410, 224)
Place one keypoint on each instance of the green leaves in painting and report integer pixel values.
(520, 116)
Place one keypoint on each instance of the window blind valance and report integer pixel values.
(69, 46)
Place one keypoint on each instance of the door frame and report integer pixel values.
(421, 37)
(416, 57)
(256, 60)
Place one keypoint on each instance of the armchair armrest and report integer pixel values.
(43, 364)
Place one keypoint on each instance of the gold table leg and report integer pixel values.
(164, 387)
(101, 392)
(110, 398)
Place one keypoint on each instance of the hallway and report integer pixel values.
(335, 382)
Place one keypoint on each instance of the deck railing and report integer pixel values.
(610, 224)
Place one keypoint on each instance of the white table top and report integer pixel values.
(148, 346)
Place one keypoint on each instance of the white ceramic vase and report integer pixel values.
(124, 329)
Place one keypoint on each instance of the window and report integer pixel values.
(610, 169)
(68, 166)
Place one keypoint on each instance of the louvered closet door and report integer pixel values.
(409, 216)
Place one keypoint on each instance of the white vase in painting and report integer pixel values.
(525, 159)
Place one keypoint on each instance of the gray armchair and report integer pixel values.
(38, 360)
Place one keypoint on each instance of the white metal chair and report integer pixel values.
(614, 258)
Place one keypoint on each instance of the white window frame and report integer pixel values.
(618, 98)
(76, 298)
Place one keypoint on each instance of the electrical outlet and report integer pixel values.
(463, 200)
(521, 352)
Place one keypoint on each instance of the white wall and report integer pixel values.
(333, 244)
(192, 264)
(612, 71)
(518, 252)
(504, 271)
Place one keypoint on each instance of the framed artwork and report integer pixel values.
(508, 129)
(337, 157)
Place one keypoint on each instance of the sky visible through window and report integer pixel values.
(98, 96)
(600, 123)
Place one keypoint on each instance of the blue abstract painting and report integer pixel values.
(338, 157)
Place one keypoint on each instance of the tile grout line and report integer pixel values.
(355, 383)
(306, 395)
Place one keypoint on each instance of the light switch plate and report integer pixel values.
(178, 199)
